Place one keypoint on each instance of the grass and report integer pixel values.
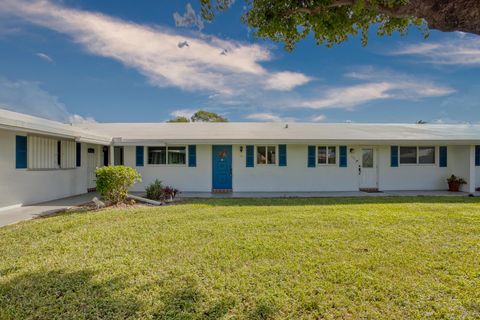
(369, 258)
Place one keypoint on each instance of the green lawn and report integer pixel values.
(369, 258)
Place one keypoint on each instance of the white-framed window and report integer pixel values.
(177, 155)
(45, 153)
(266, 155)
(417, 155)
(172, 155)
(327, 155)
(426, 155)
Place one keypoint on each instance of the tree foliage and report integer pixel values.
(207, 116)
(179, 119)
(334, 21)
(201, 116)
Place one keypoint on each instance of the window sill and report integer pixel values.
(52, 169)
(166, 165)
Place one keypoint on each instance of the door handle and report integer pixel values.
(359, 170)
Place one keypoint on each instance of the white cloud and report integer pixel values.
(187, 113)
(318, 118)
(347, 97)
(78, 119)
(189, 18)
(29, 98)
(286, 80)
(462, 50)
(44, 57)
(152, 50)
(268, 117)
(379, 85)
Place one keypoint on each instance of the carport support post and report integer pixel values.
(471, 171)
(111, 161)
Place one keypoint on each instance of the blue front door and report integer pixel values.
(222, 167)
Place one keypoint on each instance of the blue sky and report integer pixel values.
(118, 61)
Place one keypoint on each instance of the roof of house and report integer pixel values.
(238, 132)
(243, 132)
(25, 123)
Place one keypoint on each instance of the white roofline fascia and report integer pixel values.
(139, 142)
(55, 133)
(158, 142)
(51, 128)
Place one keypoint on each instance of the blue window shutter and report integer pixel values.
(250, 152)
(79, 154)
(394, 156)
(139, 156)
(282, 155)
(192, 155)
(343, 156)
(477, 156)
(443, 157)
(21, 152)
(311, 156)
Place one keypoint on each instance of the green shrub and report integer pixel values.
(113, 182)
(155, 190)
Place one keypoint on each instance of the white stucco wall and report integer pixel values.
(182, 177)
(296, 176)
(23, 186)
(412, 177)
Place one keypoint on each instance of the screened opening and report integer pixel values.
(426, 155)
(266, 154)
(417, 155)
(327, 155)
(118, 156)
(157, 155)
(408, 155)
(177, 155)
(367, 158)
(167, 155)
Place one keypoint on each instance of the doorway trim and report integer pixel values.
(222, 180)
(373, 183)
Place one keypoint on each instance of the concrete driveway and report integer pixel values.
(15, 215)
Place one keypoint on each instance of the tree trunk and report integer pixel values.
(443, 15)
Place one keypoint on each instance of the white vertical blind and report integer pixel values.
(43, 153)
(68, 154)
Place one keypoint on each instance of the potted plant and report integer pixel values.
(454, 183)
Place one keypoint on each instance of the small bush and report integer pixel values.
(113, 182)
(155, 190)
(170, 192)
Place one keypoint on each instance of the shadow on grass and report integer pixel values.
(331, 201)
(62, 295)
(186, 301)
(77, 295)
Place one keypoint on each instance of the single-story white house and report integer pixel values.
(42, 160)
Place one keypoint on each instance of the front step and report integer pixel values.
(370, 190)
(222, 190)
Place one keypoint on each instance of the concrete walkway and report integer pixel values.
(15, 215)
(329, 194)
